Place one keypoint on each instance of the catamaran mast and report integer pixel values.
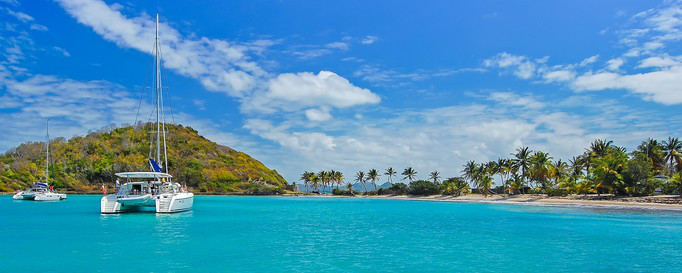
(160, 117)
(158, 89)
(47, 153)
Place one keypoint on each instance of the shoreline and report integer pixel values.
(662, 202)
(541, 201)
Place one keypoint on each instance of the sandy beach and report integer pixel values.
(661, 202)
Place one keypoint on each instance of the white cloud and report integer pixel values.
(38, 27)
(615, 64)
(662, 86)
(521, 66)
(298, 141)
(19, 15)
(559, 75)
(293, 91)
(318, 114)
(369, 39)
(662, 61)
(513, 99)
(62, 51)
(589, 60)
(338, 45)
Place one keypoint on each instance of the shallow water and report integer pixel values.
(289, 234)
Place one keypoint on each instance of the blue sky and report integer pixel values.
(353, 85)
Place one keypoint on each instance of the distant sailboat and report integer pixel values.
(156, 188)
(42, 191)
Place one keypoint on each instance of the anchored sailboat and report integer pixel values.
(154, 188)
(42, 191)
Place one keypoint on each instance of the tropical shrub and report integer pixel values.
(398, 189)
(342, 192)
(455, 186)
(423, 187)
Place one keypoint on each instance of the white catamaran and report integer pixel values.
(156, 188)
(42, 191)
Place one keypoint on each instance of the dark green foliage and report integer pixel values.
(423, 187)
(398, 189)
(341, 192)
(83, 163)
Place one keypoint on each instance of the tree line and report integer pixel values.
(602, 168)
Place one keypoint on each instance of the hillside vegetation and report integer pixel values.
(83, 163)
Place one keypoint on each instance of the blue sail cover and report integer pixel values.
(154, 165)
(40, 184)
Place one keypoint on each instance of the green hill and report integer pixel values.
(83, 163)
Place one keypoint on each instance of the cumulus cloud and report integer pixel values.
(615, 64)
(318, 114)
(660, 61)
(294, 91)
(662, 86)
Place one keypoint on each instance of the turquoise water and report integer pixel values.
(282, 234)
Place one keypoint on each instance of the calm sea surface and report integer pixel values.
(287, 234)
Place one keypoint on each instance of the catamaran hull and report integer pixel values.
(176, 202)
(163, 203)
(49, 196)
(24, 196)
(18, 196)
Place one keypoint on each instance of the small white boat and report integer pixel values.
(42, 191)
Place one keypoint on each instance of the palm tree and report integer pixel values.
(540, 168)
(324, 178)
(360, 177)
(522, 161)
(484, 184)
(469, 172)
(331, 174)
(599, 147)
(576, 170)
(373, 175)
(504, 169)
(435, 177)
(338, 177)
(390, 172)
(349, 185)
(652, 151)
(315, 181)
(409, 174)
(672, 149)
(306, 177)
(559, 171)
